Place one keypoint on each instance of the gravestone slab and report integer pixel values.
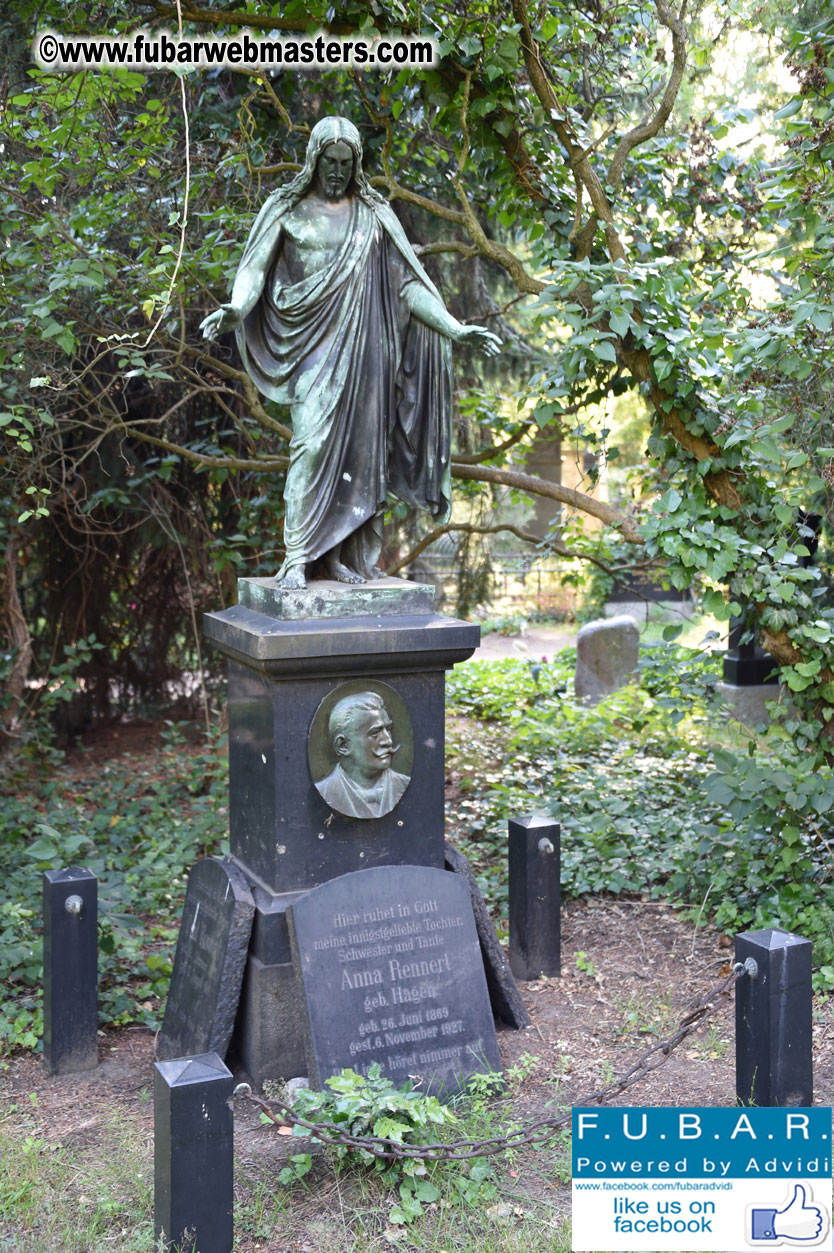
(504, 996)
(392, 973)
(209, 962)
(606, 656)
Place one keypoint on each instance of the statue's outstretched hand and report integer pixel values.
(480, 337)
(222, 318)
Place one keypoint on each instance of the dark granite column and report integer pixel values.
(70, 970)
(774, 1028)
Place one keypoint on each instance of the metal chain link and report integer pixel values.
(460, 1150)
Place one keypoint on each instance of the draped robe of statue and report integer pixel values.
(368, 385)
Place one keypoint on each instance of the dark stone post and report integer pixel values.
(70, 971)
(773, 1020)
(535, 897)
(193, 1154)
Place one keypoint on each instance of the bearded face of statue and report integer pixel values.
(334, 171)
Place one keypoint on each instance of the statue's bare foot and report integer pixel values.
(336, 570)
(293, 579)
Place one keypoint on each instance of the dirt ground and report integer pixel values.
(630, 971)
(535, 642)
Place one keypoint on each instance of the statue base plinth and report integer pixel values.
(285, 672)
(325, 598)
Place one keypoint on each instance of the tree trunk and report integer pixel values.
(19, 639)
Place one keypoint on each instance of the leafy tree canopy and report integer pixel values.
(575, 174)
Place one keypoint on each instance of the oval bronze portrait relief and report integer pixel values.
(361, 749)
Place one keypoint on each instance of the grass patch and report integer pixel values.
(55, 1198)
(476, 1204)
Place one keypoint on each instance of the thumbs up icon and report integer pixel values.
(797, 1222)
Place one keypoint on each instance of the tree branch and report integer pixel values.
(19, 636)
(202, 459)
(673, 22)
(472, 528)
(247, 18)
(476, 458)
(489, 248)
(467, 251)
(554, 491)
(467, 528)
(577, 155)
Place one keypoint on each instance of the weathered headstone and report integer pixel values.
(504, 996)
(70, 971)
(392, 973)
(193, 1155)
(209, 962)
(606, 656)
(535, 893)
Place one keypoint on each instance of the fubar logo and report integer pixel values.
(698, 1179)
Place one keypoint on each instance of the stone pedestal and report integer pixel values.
(749, 666)
(292, 657)
(747, 703)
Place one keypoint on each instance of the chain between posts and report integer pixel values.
(460, 1150)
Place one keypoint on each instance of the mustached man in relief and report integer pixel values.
(362, 785)
(337, 318)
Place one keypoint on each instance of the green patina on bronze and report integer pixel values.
(337, 318)
(361, 748)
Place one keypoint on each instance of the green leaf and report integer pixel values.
(790, 109)
(603, 350)
(42, 850)
(426, 1191)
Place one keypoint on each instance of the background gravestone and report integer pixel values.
(392, 973)
(606, 655)
(209, 962)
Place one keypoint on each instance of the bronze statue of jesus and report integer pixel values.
(336, 317)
